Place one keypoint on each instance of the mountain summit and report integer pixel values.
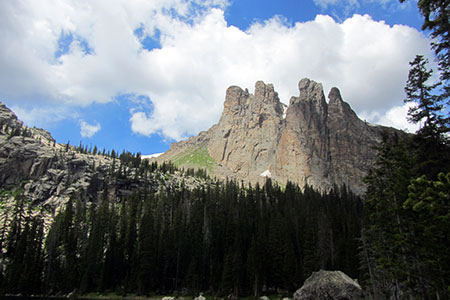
(309, 142)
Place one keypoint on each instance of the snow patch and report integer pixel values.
(285, 107)
(154, 155)
(266, 173)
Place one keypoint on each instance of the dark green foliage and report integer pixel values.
(23, 258)
(436, 15)
(221, 238)
(418, 91)
(385, 223)
(406, 207)
(429, 204)
(405, 234)
(431, 140)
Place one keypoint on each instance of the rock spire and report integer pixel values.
(312, 142)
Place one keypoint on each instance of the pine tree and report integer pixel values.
(436, 14)
(428, 202)
(146, 253)
(429, 104)
(31, 278)
(431, 141)
(387, 227)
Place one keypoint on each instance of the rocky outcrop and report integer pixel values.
(47, 174)
(247, 135)
(310, 142)
(302, 154)
(333, 285)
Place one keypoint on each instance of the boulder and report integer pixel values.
(329, 285)
(200, 297)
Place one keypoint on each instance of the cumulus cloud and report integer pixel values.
(88, 130)
(395, 117)
(198, 57)
(39, 116)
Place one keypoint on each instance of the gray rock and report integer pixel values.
(246, 136)
(329, 285)
(311, 142)
(49, 173)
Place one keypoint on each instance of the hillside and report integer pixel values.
(48, 174)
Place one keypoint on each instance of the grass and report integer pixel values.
(196, 158)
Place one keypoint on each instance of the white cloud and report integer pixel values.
(41, 115)
(88, 130)
(200, 56)
(395, 117)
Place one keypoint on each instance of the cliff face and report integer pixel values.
(47, 174)
(303, 155)
(246, 137)
(309, 142)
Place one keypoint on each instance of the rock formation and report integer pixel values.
(246, 137)
(309, 142)
(333, 285)
(48, 173)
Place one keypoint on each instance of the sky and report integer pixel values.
(141, 74)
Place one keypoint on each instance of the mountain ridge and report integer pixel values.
(310, 142)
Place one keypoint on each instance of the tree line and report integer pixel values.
(225, 239)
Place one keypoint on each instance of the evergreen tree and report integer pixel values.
(31, 278)
(429, 105)
(147, 255)
(386, 224)
(436, 15)
(431, 141)
(428, 202)
(418, 91)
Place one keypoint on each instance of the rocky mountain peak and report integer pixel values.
(337, 106)
(310, 91)
(314, 143)
(8, 118)
(11, 125)
(243, 140)
(257, 107)
(334, 96)
(265, 92)
(234, 99)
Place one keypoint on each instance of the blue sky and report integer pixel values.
(139, 75)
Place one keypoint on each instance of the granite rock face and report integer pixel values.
(246, 138)
(334, 285)
(48, 173)
(303, 154)
(309, 142)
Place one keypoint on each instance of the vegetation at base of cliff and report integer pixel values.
(198, 158)
(220, 238)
